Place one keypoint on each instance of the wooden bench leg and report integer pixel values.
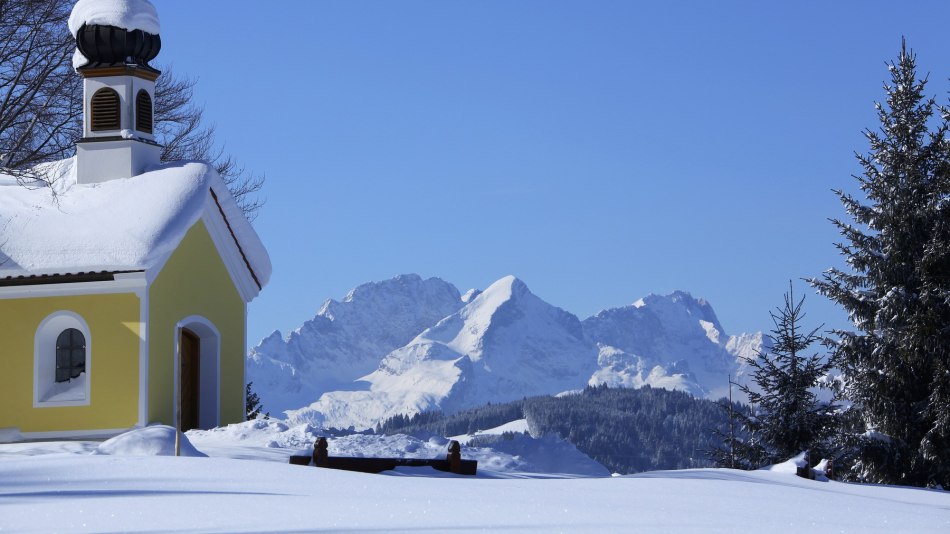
(320, 452)
(454, 457)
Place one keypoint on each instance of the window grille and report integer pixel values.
(143, 112)
(70, 355)
(105, 110)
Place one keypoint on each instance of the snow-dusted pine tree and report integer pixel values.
(787, 416)
(897, 290)
(738, 446)
(252, 404)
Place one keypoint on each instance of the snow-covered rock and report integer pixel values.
(793, 464)
(622, 369)
(346, 340)
(673, 342)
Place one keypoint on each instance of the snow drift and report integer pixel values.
(157, 440)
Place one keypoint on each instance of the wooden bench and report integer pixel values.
(453, 462)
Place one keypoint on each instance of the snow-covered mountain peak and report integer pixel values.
(681, 305)
(409, 344)
(398, 283)
(506, 304)
(347, 339)
(392, 299)
(675, 318)
(672, 340)
(504, 344)
(486, 303)
(271, 342)
(497, 293)
(501, 290)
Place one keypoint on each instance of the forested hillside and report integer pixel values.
(626, 430)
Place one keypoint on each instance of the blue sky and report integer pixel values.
(600, 151)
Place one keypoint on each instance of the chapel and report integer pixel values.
(124, 285)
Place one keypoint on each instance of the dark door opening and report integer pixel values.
(190, 379)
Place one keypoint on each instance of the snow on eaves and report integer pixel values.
(252, 249)
(119, 225)
(127, 14)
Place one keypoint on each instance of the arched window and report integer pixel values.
(62, 361)
(143, 112)
(70, 355)
(105, 110)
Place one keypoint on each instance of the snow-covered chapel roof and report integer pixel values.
(129, 224)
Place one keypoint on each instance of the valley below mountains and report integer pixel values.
(408, 345)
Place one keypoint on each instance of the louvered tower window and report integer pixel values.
(70, 355)
(143, 112)
(105, 110)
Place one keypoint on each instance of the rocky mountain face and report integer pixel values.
(346, 339)
(673, 341)
(407, 345)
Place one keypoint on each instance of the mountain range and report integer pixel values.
(408, 344)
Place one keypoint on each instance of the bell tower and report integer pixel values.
(118, 98)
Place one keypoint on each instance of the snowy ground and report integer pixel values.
(246, 486)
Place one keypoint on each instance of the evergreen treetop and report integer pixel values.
(252, 404)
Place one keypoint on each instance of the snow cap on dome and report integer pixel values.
(126, 14)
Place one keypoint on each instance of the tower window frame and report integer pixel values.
(144, 115)
(105, 110)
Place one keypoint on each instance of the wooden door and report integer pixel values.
(190, 379)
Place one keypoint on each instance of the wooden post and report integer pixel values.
(320, 452)
(454, 457)
(178, 390)
(732, 432)
(806, 472)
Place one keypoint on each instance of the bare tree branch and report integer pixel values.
(41, 104)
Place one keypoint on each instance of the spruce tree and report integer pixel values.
(737, 444)
(787, 416)
(897, 290)
(252, 404)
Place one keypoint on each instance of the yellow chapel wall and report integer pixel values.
(195, 281)
(112, 363)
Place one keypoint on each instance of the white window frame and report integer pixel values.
(44, 358)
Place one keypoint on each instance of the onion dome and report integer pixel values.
(106, 46)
